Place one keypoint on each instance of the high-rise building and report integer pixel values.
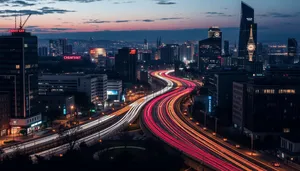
(266, 106)
(19, 77)
(146, 44)
(58, 47)
(247, 22)
(98, 56)
(53, 47)
(214, 32)
(63, 46)
(158, 42)
(292, 50)
(4, 112)
(69, 49)
(186, 51)
(222, 97)
(210, 51)
(94, 85)
(226, 48)
(43, 51)
(169, 53)
(126, 64)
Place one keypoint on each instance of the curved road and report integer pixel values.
(162, 118)
(129, 117)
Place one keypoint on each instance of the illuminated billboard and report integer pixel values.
(209, 104)
(72, 57)
(95, 53)
(132, 52)
(17, 31)
(112, 92)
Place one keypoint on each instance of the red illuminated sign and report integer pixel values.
(132, 52)
(72, 57)
(17, 31)
(92, 51)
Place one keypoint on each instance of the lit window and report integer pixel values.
(286, 91)
(269, 91)
(27, 66)
(286, 130)
(17, 66)
(25, 45)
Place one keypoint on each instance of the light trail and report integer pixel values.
(129, 117)
(178, 133)
(56, 136)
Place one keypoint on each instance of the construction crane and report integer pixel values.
(23, 24)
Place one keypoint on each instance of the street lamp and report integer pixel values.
(72, 107)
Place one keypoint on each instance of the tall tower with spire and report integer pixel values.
(251, 45)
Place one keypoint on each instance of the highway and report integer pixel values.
(162, 117)
(129, 117)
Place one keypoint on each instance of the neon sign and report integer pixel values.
(209, 104)
(72, 57)
(17, 31)
(35, 124)
(112, 92)
(132, 52)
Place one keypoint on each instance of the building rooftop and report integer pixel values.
(292, 137)
(214, 28)
(274, 81)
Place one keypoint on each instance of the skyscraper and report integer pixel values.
(126, 64)
(210, 49)
(53, 47)
(292, 50)
(63, 46)
(43, 51)
(19, 77)
(169, 53)
(226, 48)
(146, 44)
(187, 51)
(214, 32)
(69, 50)
(247, 20)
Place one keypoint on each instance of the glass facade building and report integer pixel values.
(247, 19)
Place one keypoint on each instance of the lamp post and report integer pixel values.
(252, 143)
(71, 107)
(216, 124)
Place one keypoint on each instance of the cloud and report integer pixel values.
(124, 2)
(122, 21)
(279, 15)
(172, 18)
(165, 2)
(96, 22)
(21, 3)
(61, 29)
(41, 11)
(126, 21)
(217, 14)
(80, 1)
(148, 20)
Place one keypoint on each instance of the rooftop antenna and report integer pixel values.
(22, 25)
(15, 21)
(20, 20)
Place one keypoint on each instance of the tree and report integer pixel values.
(23, 132)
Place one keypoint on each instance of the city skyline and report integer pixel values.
(51, 16)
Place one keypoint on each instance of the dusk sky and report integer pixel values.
(99, 15)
